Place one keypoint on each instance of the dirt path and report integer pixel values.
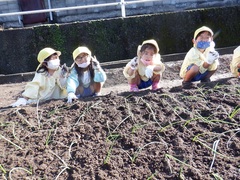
(117, 83)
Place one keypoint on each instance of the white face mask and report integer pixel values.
(146, 63)
(84, 65)
(53, 64)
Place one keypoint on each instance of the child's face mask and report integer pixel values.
(83, 65)
(147, 57)
(203, 40)
(83, 60)
(203, 44)
(53, 64)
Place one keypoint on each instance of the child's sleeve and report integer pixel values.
(72, 82)
(32, 88)
(125, 71)
(233, 66)
(160, 64)
(99, 75)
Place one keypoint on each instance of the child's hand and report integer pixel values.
(65, 71)
(95, 63)
(71, 96)
(149, 71)
(212, 56)
(133, 63)
(20, 102)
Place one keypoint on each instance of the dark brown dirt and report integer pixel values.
(166, 134)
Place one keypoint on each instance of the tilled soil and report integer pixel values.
(170, 133)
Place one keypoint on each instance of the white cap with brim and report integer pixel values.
(201, 29)
(79, 50)
(236, 52)
(150, 41)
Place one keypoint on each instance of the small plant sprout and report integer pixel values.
(113, 138)
(152, 113)
(14, 135)
(152, 176)
(137, 126)
(48, 137)
(128, 108)
(179, 161)
(83, 112)
(18, 147)
(216, 176)
(64, 163)
(181, 175)
(235, 112)
(169, 125)
(39, 114)
(238, 131)
(2, 169)
(215, 144)
(70, 148)
(109, 152)
(20, 116)
(141, 148)
(197, 139)
(111, 133)
(18, 168)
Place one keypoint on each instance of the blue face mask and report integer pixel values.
(203, 44)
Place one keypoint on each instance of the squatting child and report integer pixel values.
(86, 77)
(146, 68)
(235, 63)
(201, 61)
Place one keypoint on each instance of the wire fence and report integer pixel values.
(121, 3)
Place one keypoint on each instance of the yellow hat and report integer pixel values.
(153, 42)
(79, 50)
(45, 53)
(201, 29)
(236, 52)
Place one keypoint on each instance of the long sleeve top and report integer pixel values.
(141, 68)
(74, 81)
(194, 56)
(234, 63)
(45, 87)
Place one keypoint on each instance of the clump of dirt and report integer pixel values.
(164, 134)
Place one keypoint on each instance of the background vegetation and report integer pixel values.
(116, 39)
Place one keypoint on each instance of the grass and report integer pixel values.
(234, 112)
(2, 169)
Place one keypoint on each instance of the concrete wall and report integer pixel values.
(118, 38)
(7, 6)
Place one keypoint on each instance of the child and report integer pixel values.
(201, 61)
(49, 81)
(235, 63)
(87, 77)
(146, 68)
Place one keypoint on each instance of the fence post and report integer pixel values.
(50, 13)
(123, 8)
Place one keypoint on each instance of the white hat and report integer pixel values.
(201, 29)
(45, 53)
(236, 52)
(79, 50)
